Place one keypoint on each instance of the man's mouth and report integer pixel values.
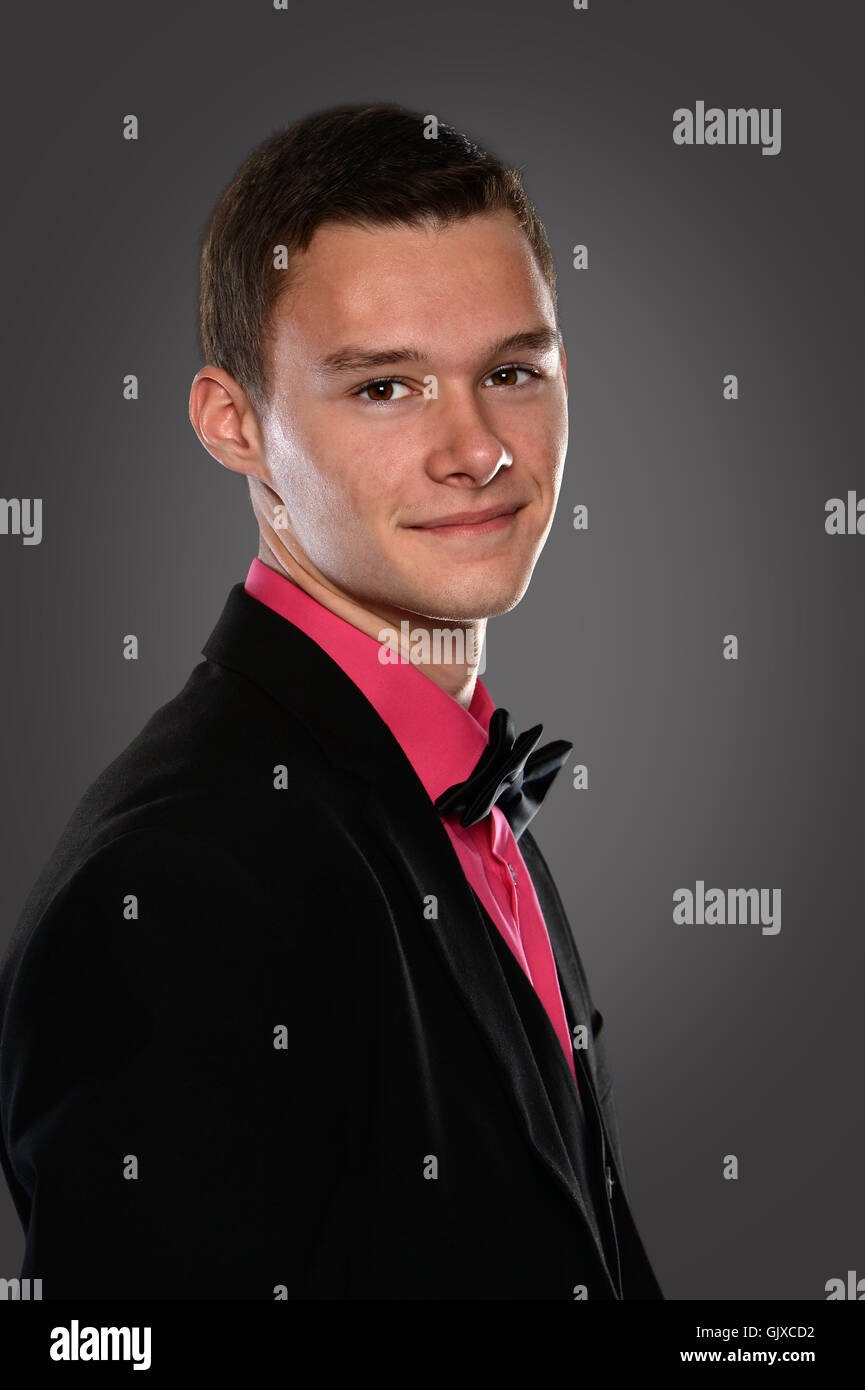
(472, 523)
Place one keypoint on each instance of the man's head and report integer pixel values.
(405, 257)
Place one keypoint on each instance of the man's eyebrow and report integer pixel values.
(356, 359)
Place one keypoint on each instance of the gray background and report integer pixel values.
(706, 517)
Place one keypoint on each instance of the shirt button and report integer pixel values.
(609, 1176)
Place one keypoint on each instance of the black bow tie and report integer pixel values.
(507, 774)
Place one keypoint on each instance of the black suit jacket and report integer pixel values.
(263, 1040)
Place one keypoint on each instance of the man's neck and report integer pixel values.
(416, 636)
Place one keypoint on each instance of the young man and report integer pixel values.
(295, 1009)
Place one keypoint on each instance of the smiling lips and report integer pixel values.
(471, 523)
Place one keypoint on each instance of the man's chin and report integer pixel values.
(474, 604)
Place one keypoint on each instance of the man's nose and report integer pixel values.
(462, 441)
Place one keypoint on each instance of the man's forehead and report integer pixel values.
(364, 297)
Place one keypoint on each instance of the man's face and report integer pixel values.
(361, 470)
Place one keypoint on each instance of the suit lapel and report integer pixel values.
(572, 981)
(256, 642)
(411, 832)
(576, 1108)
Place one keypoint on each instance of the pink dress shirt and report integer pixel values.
(443, 741)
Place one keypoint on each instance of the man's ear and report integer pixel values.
(226, 423)
(564, 358)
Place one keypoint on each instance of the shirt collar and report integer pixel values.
(441, 739)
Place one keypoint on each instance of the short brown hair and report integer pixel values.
(362, 165)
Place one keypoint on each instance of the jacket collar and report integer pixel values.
(440, 737)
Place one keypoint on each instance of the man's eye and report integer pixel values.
(382, 389)
(510, 372)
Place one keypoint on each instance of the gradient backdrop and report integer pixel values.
(706, 517)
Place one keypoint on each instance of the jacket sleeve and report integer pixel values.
(173, 1107)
